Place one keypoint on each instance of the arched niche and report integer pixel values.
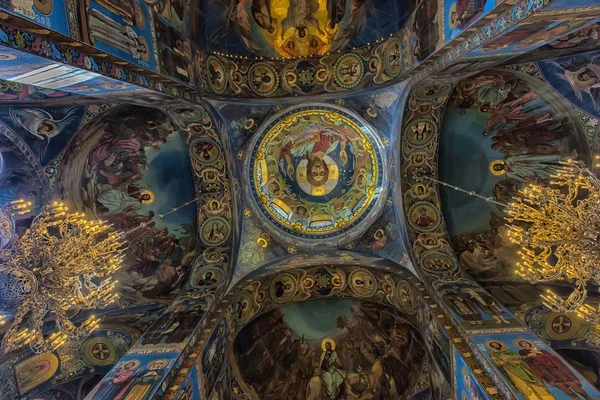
(373, 315)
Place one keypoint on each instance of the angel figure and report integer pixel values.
(583, 75)
(41, 124)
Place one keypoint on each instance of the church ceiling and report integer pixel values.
(316, 184)
(347, 206)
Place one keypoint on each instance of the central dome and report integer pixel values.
(316, 171)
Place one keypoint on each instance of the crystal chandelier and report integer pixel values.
(62, 263)
(557, 226)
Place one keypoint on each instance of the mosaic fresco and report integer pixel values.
(432, 248)
(465, 382)
(47, 131)
(438, 343)
(136, 376)
(532, 369)
(29, 376)
(122, 172)
(460, 14)
(175, 52)
(295, 28)
(121, 28)
(51, 14)
(210, 163)
(535, 32)
(573, 339)
(576, 78)
(316, 172)
(517, 131)
(318, 349)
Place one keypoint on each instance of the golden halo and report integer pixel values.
(136, 363)
(249, 123)
(493, 164)
(455, 22)
(519, 341)
(489, 342)
(588, 81)
(138, 15)
(162, 361)
(44, 7)
(150, 194)
(145, 55)
(325, 341)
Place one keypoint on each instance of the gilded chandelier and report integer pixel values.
(61, 264)
(558, 228)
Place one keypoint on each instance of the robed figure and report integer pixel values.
(331, 369)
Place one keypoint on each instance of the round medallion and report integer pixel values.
(393, 62)
(348, 70)
(98, 351)
(363, 283)
(316, 172)
(438, 263)
(405, 297)
(243, 307)
(420, 132)
(560, 326)
(263, 79)
(283, 288)
(423, 216)
(216, 74)
(205, 151)
(215, 231)
(208, 278)
(432, 92)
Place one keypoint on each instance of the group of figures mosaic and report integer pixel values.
(127, 165)
(331, 358)
(162, 37)
(111, 171)
(27, 375)
(522, 131)
(518, 132)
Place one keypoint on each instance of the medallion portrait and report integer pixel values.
(205, 151)
(423, 216)
(215, 231)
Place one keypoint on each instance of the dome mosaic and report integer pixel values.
(316, 172)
